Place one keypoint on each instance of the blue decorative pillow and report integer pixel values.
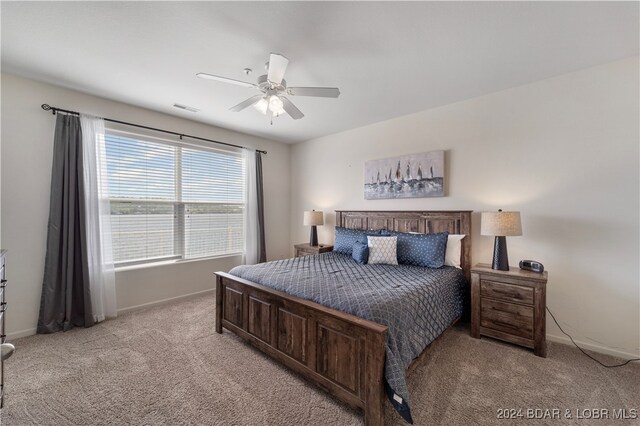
(360, 252)
(346, 238)
(427, 250)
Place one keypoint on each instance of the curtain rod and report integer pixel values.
(47, 107)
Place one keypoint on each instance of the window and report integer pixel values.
(172, 201)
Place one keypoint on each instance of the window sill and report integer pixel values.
(173, 262)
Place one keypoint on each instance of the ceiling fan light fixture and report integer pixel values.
(262, 105)
(273, 89)
(276, 105)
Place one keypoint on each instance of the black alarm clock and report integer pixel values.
(532, 265)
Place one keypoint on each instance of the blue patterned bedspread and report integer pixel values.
(416, 303)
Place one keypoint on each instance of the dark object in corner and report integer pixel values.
(532, 265)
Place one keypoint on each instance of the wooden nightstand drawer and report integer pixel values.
(300, 253)
(507, 317)
(510, 306)
(506, 292)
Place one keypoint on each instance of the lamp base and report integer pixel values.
(313, 238)
(500, 257)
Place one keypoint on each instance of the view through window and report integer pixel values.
(170, 201)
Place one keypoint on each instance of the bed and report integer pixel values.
(341, 347)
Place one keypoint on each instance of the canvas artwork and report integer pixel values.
(409, 176)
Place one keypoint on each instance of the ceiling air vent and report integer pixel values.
(186, 108)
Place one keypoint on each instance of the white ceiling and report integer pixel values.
(388, 59)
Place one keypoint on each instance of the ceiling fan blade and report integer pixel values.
(277, 67)
(246, 103)
(224, 80)
(320, 92)
(291, 109)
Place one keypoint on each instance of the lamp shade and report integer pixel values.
(503, 224)
(313, 218)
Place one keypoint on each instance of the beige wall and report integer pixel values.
(27, 145)
(563, 151)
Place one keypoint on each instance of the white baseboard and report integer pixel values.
(32, 331)
(21, 333)
(594, 348)
(163, 301)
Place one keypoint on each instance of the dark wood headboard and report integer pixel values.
(423, 221)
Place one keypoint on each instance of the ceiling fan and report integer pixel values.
(273, 87)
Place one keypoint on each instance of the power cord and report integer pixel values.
(582, 350)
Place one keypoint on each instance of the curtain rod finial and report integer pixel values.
(47, 107)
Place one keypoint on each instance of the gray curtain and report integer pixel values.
(262, 251)
(65, 300)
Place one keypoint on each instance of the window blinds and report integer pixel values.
(213, 192)
(171, 201)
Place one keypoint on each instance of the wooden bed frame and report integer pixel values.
(341, 353)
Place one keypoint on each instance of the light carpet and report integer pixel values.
(166, 366)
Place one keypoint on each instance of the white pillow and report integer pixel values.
(383, 250)
(454, 250)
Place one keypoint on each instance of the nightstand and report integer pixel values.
(510, 306)
(307, 250)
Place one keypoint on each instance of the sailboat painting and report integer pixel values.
(409, 176)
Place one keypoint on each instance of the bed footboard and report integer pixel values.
(341, 353)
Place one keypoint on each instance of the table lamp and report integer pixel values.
(313, 219)
(501, 225)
